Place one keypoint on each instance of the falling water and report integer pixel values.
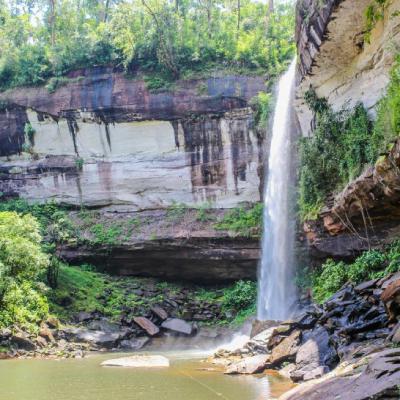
(276, 289)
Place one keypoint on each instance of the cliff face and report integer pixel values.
(340, 65)
(104, 141)
(137, 149)
(334, 57)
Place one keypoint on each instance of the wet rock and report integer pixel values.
(134, 344)
(260, 326)
(178, 326)
(147, 326)
(139, 361)
(98, 338)
(5, 333)
(104, 325)
(364, 286)
(315, 356)
(249, 365)
(41, 341)
(286, 350)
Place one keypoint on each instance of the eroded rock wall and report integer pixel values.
(336, 60)
(134, 148)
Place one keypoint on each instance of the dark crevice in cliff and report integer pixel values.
(73, 130)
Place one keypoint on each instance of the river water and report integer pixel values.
(188, 378)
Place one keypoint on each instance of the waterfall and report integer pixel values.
(276, 291)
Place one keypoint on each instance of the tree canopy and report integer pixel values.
(40, 39)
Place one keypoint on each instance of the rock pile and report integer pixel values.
(355, 323)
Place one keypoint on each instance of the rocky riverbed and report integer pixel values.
(347, 347)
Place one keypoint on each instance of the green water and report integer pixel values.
(85, 379)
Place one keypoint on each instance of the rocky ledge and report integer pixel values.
(178, 244)
(365, 214)
(344, 348)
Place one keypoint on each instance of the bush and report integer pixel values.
(242, 220)
(22, 260)
(339, 149)
(371, 264)
(332, 277)
(241, 296)
(23, 304)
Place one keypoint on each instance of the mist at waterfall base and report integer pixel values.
(276, 290)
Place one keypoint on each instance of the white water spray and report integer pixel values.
(276, 292)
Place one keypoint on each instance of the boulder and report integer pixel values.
(138, 361)
(83, 316)
(46, 333)
(395, 334)
(134, 344)
(260, 326)
(104, 325)
(315, 352)
(286, 349)
(98, 338)
(179, 326)
(249, 365)
(391, 299)
(147, 326)
(159, 312)
(52, 322)
(22, 341)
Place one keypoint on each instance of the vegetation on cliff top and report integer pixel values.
(166, 39)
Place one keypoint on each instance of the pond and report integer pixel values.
(188, 378)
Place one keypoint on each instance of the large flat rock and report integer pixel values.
(139, 361)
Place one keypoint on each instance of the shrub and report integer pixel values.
(23, 304)
(339, 149)
(241, 296)
(22, 260)
(332, 277)
(371, 264)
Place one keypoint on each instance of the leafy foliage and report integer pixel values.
(262, 106)
(336, 153)
(370, 265)
(343, 143)
(241, 299)
(43, 40)
(21, 262)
